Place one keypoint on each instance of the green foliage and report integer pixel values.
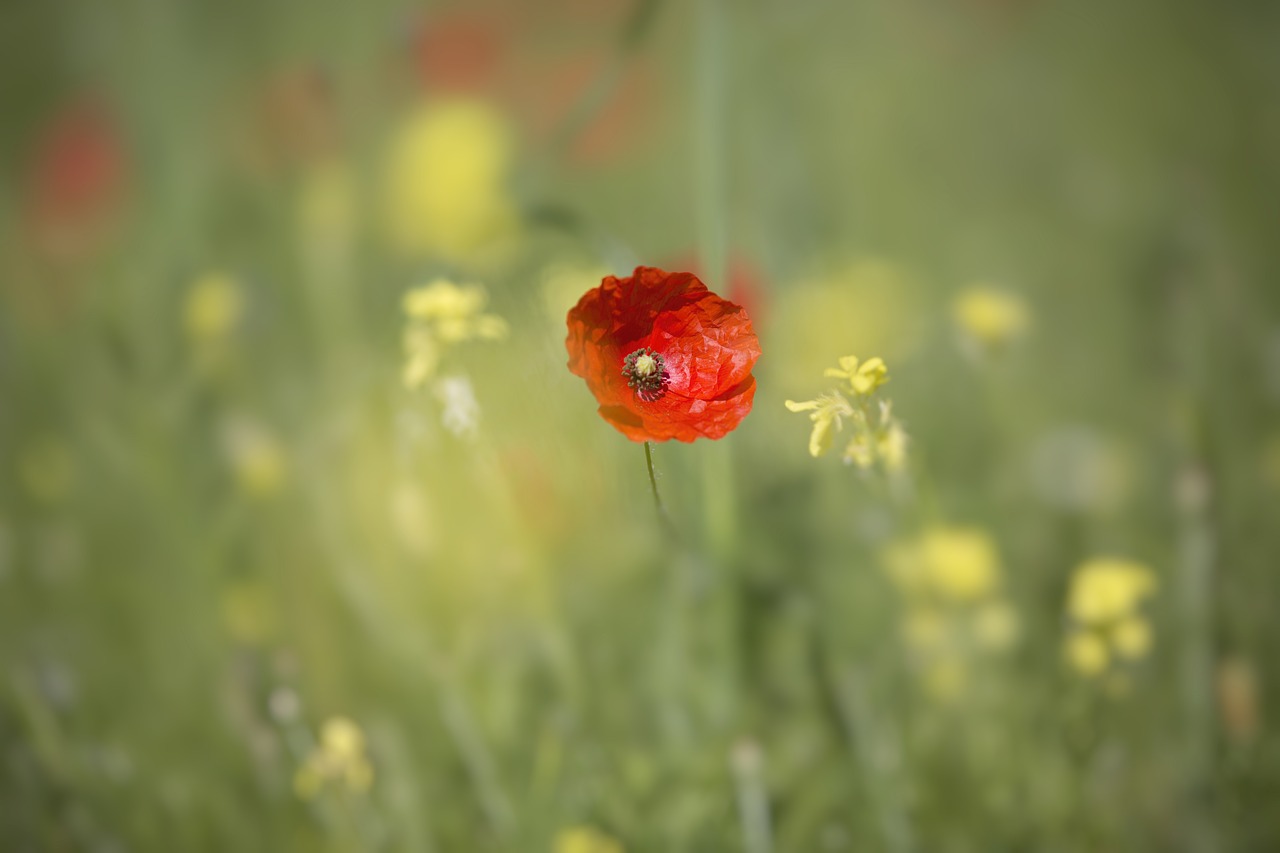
(242, 565)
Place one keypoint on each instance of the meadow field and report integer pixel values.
(311, 539)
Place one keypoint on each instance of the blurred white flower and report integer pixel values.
(461, 415)
(1078, 469)
(284, 704)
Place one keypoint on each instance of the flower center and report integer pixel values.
(646, 372)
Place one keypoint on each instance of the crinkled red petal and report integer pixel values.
(707, 343)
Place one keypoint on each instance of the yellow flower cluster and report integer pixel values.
(584, 839)
(990, 317)
(213, 308)
(949, 579)
(338, 761)
(440, 315)
(446, 179)
(876, 435)
(1103, 604)
(255, 456)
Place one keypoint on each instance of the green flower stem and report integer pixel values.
(653, 481)
(709, 169)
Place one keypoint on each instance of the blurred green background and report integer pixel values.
(285, 568)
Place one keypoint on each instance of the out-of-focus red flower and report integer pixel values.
(462, 51)
(665, 357)
(297, 117)
(619, 125)
(516, 55)
(75, 180)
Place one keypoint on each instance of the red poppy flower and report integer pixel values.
(665, 357)
(77, 180)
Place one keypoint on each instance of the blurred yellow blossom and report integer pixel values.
(456, 311)
(961, 562)
(949, 579)
(446, 180)
(338, 761)
(1103, 603)
(990, 317)
(421, 356)
(948, 563)
(1106, 589)
(1131, 637)
(440, 314)
(214, 307)
(584, 839)
(863, 378)
(255, 457)
(1086, 653)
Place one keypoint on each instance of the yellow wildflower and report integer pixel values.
(338, 760)
(443, 300)
(961, 563)
(1106, 589)
(952, 564)
(877, 436)
(863, 378)
(442, 313)
(1131, 637)
(885, 442)
(214, 306)
(341, 739)
(989, 316)
(1103, 601)
(422, 356)
(584, 839)
(446, 180)
(255, 456)
(828, 414)
(891, 446)
(1087, 653)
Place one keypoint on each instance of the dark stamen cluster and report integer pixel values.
(649, 379)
